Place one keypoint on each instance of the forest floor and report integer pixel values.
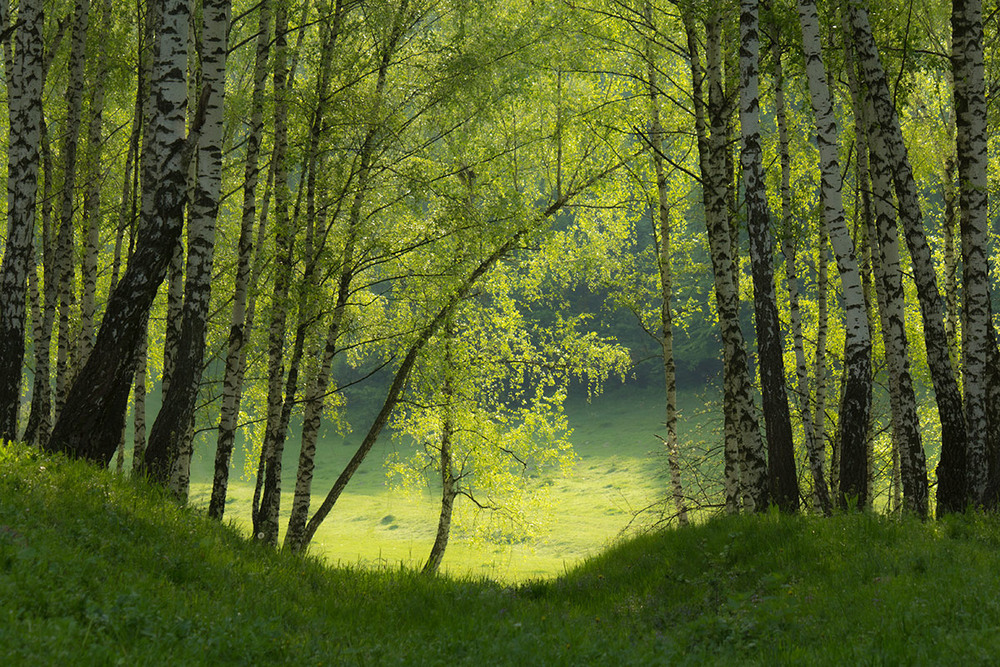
(96, 570)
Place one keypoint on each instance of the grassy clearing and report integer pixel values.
(95, 569)
(618, 473)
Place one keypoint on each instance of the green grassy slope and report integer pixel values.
(98, 570)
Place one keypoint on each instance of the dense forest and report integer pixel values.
(261, 211)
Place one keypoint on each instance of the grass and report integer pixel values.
(616, 475)
(97, 570)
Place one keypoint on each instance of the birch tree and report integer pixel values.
(169, 445)
(952, 495)
(241, 316)
(780, 447)
(92, 419)
(25, 83)
(970, 120)
(856, 398)
(815, 450)
(745, 452)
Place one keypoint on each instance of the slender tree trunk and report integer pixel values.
(970, 120)
(449, 489)
(951, 286)
(139, 406)
(66, 363)
(661, 224)
(92, 418)
(238, 325)
(952, 493)
(265, 516)
(25, 106)
(780, 446)
(791, 231)
(855, 408)
(92, 193)
(819, 361)
(40, 416)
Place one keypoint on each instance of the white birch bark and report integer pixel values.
(952, 493)
(265, 519)
(40, 416)
(791, 231)
(970, 120)
(170, 432)
(92, 419)
(92, 192)
(66, 362)
(780, 448)
(855, 407)
(25, 109)
(661, 222)
(750, 462)
(238, 323)
(906, 435)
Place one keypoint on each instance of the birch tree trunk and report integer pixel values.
(265, 517)
(92, 419)
(40, 415)
(315, 399)
(25, 108)
(232, 385)
(791, 231)
(889, 283)
(92, 192)
(745, 454)
(951, 286)
(662, 236)
(952, 493)
(449, 490)
(970, 120)
(66, 270)
(855, 407)
(168, 455)
(780, 446)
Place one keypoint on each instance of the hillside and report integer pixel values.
(99, 570)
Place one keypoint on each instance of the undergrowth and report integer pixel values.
(95, 569)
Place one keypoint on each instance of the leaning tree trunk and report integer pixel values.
(970, 122)
(232, 385)
(855, 406)
(25, 105)
(777, 421)
(170, 429)
(416, 347)
(92, 419)
(449, 487)
(952, 494)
